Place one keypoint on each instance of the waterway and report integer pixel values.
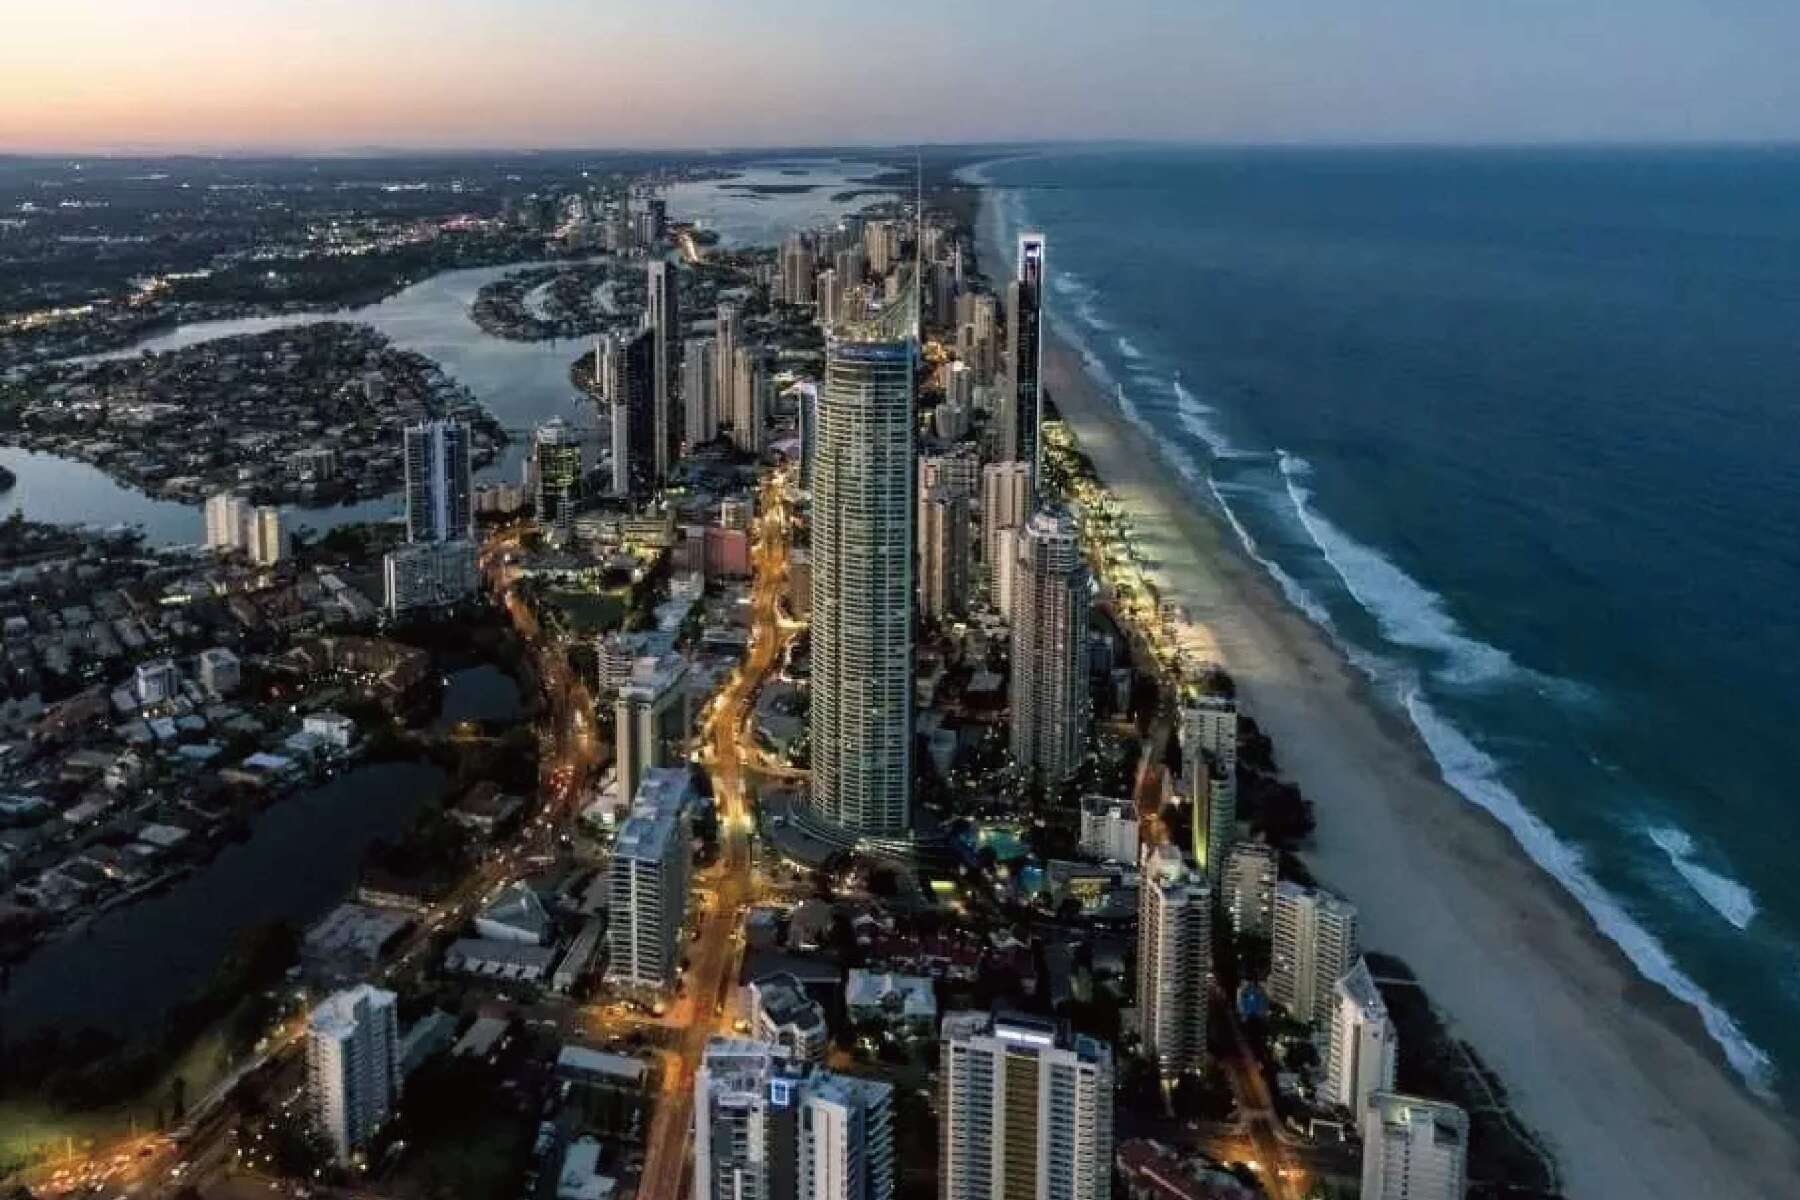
(522, 383)
(128, 968)
(479, 693)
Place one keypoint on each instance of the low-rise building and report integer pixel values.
(520, 961)
(1109, 829)
(782, 1014)
(220, 672)
(515, 915)
(884, 998)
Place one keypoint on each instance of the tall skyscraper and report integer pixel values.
(631, 389)
(647, 883)
(1208, 733)
(264, 538)
(1212, 792)
(1314, 944)
(1049, 648)
(1364, 1050)
(699, 376)
(1174, 960)
(1005, 503)
(1210, 724)
(725, 350)
(806, 403)
(1414, 1149)
(232, 523)
(1026, 1112)
(829, 290)
(750, 401)
(352, 1067)
(226, 515)
(663, 314)
(438, 488)
(651, 718)
(862, 593)
(943, 552)
(797, 269)
(767, 1127)
(1251, 871)
(1021, 399)
(557, 448)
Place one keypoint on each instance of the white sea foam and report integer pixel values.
(1408, 613)
(1129, 349)
(1290, 587)
(1474, 774)
(1198, 419)
(1723, 894)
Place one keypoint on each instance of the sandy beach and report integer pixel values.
(1619, 1076)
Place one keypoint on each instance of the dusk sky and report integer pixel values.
(240, 74)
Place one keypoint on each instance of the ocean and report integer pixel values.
(1521, 429)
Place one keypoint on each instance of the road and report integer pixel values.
(725, 740)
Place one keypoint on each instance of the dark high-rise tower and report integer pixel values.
(662, 314)
(632, 392)
(1021, 398)
(438, 493)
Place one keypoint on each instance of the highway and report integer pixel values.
(725, 739)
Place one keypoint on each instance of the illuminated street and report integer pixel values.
(724, 739)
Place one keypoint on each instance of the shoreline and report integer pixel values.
(1620, 1077)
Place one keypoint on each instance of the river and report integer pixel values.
(127, 969)
(522, 383)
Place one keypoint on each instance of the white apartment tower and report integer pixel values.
(1314, 944)
(1414, 1149)
(1210, 724)
(232, 523)
(1026, 1111)
(651, 720)
(1109, 829)
(226, 515)
(1005, 503)
(767, 1127)
(1248, 890)
(352, 1067)
(862, 588)
(1363, 1051)
(438, 488)
(647, 883)
(1049, 648)
(1174, 961)
(698, 380)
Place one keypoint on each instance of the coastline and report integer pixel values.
(1619, 1076)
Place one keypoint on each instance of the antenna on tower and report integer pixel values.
(918, 314)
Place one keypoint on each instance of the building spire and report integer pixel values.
(918, 316)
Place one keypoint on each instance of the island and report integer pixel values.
(308, 415)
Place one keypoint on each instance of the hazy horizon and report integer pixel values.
(264, 76)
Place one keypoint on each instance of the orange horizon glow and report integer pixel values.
(85, 75)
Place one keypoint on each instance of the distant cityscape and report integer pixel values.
(859, 822)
